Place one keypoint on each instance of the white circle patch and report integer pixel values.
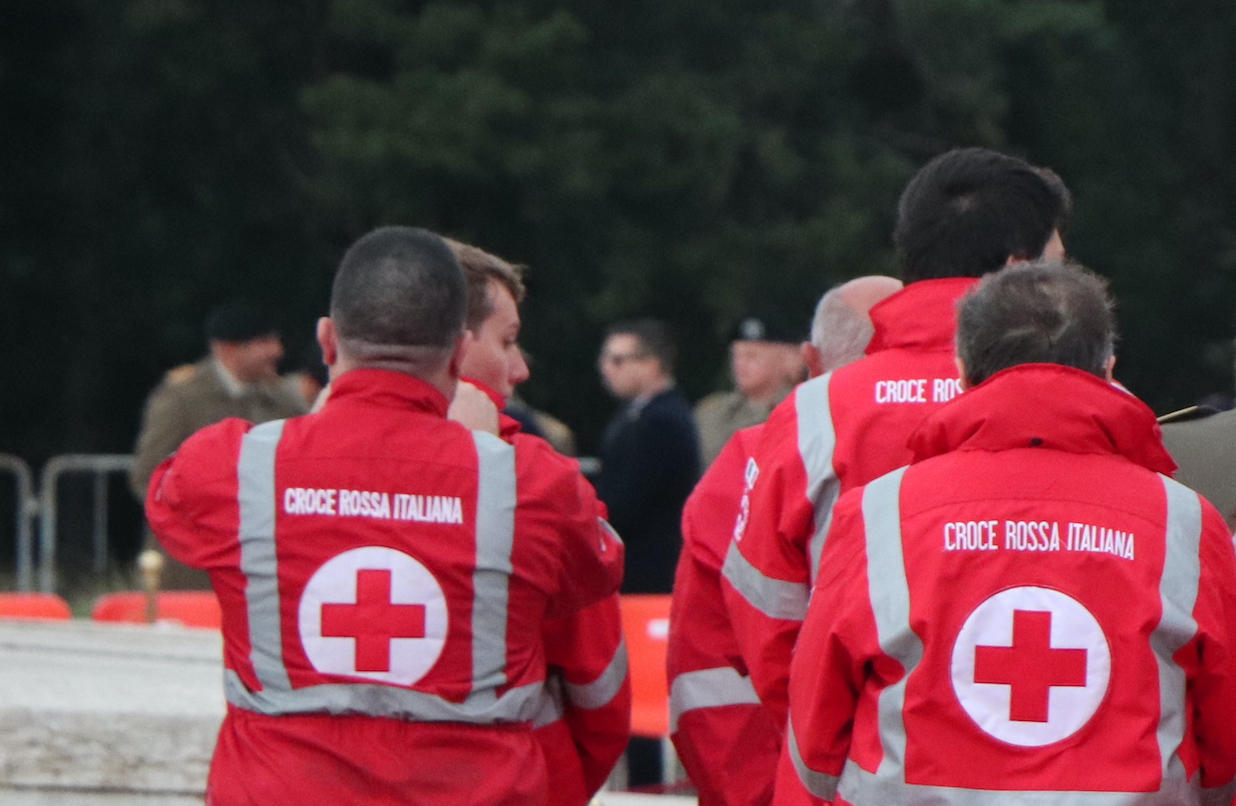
(1031, 666)
(376, 613)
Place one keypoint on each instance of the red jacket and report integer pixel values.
(585, 721)
(384, 576)
(834, 433)
(1032, 612)
(727, 741)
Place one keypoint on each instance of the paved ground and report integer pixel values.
(101, 707)
(102, 714)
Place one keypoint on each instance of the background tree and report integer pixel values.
(673, 158)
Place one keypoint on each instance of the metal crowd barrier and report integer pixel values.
(26, 506)
(44, 506)
(99, 465)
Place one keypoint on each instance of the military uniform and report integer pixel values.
(723, 414)
(1205, 449)
(189, 398)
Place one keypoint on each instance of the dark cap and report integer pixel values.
(764, 328)
(239, 321)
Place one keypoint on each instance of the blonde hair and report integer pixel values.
(479, 269)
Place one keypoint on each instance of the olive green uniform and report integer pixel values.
(721, 414)
(1205, 449)
(189, 398)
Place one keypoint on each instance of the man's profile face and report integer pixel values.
(492, 355)
(762, 368)
(626, 369)
(256, 359)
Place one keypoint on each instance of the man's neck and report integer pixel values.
(650, 391)
(764, 395)
(441, 378)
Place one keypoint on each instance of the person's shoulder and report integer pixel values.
(188, 380)
(285, 401)
(1198, 419)
(213, 450)
(716, 403)
(180, 376)
(670, 403)
(543, 471)
(535, 455)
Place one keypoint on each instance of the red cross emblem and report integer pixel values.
(373, 621)
(1030, 667)
(373, 612)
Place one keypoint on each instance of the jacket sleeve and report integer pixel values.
(1210, 661)
(766, 576)
(559, 508)
(727, 741)
(587, 650)
(191, 503)
(835, 650)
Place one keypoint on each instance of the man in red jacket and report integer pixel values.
(1032, 611)
(384, 573)
(727, 741)
(967, 212)
(585, 723)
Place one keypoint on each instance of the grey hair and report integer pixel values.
(840, 333)
(1044, 311)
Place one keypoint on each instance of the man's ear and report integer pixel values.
(961, 373)
(328, 340)
(813, 360)
(455, 367)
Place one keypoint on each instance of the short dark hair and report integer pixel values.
(399, 287)
(968, 210)
(655, 339)
(1044, 311)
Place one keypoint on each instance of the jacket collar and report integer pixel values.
(921, 316)
(508, 426)
(388, 389)
(1049, 406)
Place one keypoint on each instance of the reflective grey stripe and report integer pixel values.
(1178, 593)
(495, 534)
(549, 706)
(816, 444)
(518, 704)
(890, 602)
(255, 476)
(709, 688)
(820, 784)
(601, 692)
(775, 598)
(1219, 795)
(864, 789)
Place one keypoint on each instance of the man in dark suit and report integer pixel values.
(649, 454)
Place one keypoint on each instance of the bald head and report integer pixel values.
(842, 329)
(862, 293)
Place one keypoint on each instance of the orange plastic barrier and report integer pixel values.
(645, 624)
(46, 606)
(189, 608)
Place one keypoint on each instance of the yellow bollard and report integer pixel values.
(150, 563)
